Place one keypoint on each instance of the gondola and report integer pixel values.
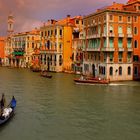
(6, 117)
(44, 74)
(47, 76)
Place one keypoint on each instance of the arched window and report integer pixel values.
(135, 44)
(111, 71)
(60, 60)
(120, 70)
(135, 30)
(129, 70)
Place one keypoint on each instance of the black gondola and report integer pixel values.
(4, 118)
(44, 74)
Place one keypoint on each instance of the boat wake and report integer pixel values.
(117, 84)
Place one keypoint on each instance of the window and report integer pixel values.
(129, 19)
(129, 43)
(135, 71)
(129, 56)
(111, 17)
(129, 31)
(111, 57)
(135, 44)
(135, 18)
(120, 42)
(120, 30)
(135, 58)
(41, 35)
(120, 70)
(48, 33)
(60, 60)
(105, 57)
(77, 21)
(120, 56)
(111, 29)
(111, 71)
(32, 45)
(129, 71)
(120, 18)
(111, 42)
(45, 33)
(60, 32)
(135, 30)
(105, 29)
(51, 32)
(55, 31)
(99, 29)
(104, 18)
(105, 42)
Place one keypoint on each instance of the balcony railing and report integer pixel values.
(129, 35)
(104, 34)
(111, 35)
(129, 49)
(93, 49)
(121, 49)
(120, 35)
(108, 49)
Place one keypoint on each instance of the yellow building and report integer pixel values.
(56, 50)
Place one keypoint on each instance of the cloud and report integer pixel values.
(30, 13)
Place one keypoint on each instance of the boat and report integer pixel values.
(91, 80)
(44, 74)
(7, 114)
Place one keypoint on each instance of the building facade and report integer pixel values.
(111, 42)
(20, 47)
(56, 50)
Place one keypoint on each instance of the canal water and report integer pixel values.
(58, 109)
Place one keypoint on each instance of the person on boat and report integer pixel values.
(13, 102)
(2, 102)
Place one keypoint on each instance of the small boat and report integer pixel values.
(44, 74)
(88, 80)
(47, 76)
(7, 114)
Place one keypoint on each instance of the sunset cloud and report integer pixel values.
(30, 13)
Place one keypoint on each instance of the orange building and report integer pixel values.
(112, 42)
(56, 47)
(2, 54)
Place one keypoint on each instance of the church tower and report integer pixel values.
(10, 29)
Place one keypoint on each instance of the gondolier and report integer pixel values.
(2, 102)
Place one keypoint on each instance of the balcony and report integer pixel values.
(18, 53)
(120, 35)
(121, 49)
(111, 35)
(98, 36)
(129, 60)
(104, 34)
(108, 49)
(129, 49)
(93, 49)
(129, 35)
(51, 51)
(91, 36)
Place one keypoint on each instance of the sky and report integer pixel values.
(29, 14)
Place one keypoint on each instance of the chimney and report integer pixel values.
(114, 3)
(68, 16)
